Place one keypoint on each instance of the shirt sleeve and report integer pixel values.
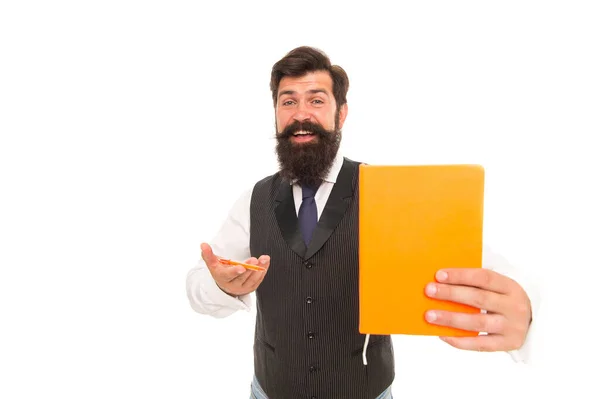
(499, 264)
(231, 241)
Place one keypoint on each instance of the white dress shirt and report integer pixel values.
(233, 241)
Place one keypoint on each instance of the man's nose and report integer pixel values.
(301, 114)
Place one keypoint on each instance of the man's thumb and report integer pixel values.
(207, 254)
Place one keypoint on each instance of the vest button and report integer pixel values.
(312, 369)
(308, 264)
(309, 299)
(310, 335)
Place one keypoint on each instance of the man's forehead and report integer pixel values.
(309, 81)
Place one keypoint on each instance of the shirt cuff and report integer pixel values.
(217, 296)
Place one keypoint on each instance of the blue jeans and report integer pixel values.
(258, 393)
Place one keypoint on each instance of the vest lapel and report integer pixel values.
(285, 212)
(335, 208)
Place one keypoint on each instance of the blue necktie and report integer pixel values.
(307, 215)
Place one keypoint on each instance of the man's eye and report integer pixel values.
(288, 102)
(318, 102)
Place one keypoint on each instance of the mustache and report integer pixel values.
(298, 126)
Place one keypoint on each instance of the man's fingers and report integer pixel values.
(241, 278)
(478, 298)
(476, 277)
(239, 275)
(489, 323)
(481, 343)
(264, 261)
(257, 276)
(228, 273)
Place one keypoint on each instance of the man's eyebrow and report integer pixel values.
(283, 93)
(313, 91)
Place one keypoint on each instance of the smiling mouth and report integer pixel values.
(303, 133)
(303, 137)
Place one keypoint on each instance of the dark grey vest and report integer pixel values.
(307, 343)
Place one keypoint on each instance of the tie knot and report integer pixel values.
(309, 191)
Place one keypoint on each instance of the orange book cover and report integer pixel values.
(413, 221)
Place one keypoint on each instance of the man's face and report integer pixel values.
(308, 127)
(307, 98)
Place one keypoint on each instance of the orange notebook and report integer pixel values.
(413, 221)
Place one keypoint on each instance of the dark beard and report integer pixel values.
(309, 163)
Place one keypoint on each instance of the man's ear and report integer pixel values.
(343, 114)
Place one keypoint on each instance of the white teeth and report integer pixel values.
(302, 133)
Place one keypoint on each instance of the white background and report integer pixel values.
(128, 128)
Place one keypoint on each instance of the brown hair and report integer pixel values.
(303, 60)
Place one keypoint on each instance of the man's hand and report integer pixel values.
(508, 308)
(235, 280)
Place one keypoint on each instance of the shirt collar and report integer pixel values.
(334, 171)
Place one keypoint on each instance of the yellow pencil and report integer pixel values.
(246, 265)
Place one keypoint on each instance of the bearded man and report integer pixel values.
(301, 225)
